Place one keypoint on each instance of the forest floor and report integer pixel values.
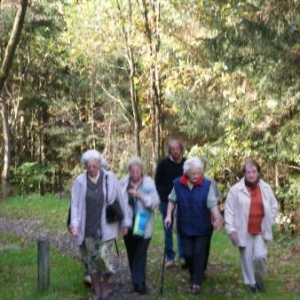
(25, 220)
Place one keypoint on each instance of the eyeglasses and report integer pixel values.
(92, 167)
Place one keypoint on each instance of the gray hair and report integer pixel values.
(173, 142)
(135, 161)
(193, 162)
(90, 155)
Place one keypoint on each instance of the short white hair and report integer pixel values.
(90, 155)
(135, 161)
(193, 162)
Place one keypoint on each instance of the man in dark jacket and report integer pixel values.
(167, 170)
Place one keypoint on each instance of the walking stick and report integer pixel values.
(161, 290)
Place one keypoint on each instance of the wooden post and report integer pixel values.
(43, 264)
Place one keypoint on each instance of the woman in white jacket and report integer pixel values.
(250, 213)
(91, 192)
(140, 194)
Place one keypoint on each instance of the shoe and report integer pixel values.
(260, 285)
(196, 289)
(140, 289)
(183, 264)
(87, 281)
(252, 289)
(170, 264)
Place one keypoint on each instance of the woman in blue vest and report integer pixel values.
(197, 215)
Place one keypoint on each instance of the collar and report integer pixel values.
(242, 186)
(175, 161)
(94, 179)
(135, 185)
(184, 180)
(251, 185)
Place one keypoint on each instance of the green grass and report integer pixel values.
(18, 262)
(49, 209)
(18, 272)
(224, 272)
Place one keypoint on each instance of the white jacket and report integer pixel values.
(237, 209)
(149, 200)
(78, 206)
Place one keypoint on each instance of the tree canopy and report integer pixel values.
(123, 76)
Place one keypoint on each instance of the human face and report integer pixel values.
(194, 174)
(135, 173)
(175, 151)
(251, 173)
(93, 167)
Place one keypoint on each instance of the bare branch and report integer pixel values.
(119, 101)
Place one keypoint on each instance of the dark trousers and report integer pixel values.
(137, 258)
(170, 253)
(207, 252)
(195, 253)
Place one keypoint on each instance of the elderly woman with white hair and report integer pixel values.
(142, 198)
(197, 214)
(92, 191)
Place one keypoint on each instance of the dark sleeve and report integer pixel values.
(159, 178)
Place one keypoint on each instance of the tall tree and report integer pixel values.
(4, 72)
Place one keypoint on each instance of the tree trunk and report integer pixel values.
(135, 109)
(153, 36)
(13, 42)
(4, 72)
(132, 69)
(6, 188)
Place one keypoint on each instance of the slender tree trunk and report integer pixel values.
(135, 109)
(6, 188)
(4, 72)
(153, 35)
(132, 69)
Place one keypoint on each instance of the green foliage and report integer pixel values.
(228, 74)
(31, 177)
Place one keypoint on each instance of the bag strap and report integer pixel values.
(106, 189)
(106, 199)
(135, 205)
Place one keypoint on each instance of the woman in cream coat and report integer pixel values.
(139, 192)
(250, 213)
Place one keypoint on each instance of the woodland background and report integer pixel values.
(124, 76)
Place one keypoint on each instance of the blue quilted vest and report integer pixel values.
(193, 216)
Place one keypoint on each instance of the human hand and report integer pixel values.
(124, 230)
(134, 193)
(234, 238)
(218, 223)
(167, 221)
(74, 232)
